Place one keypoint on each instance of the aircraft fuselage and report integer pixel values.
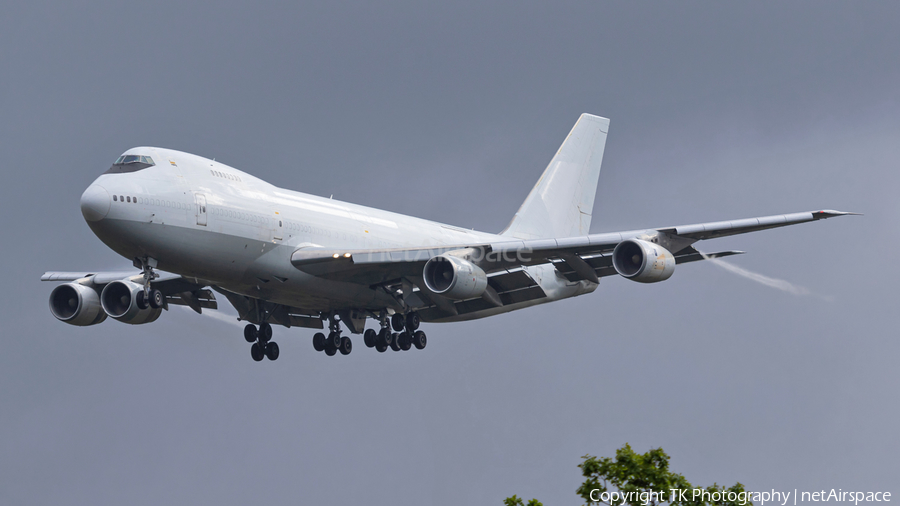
(202, 219)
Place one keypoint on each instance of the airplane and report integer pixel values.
(196, 228)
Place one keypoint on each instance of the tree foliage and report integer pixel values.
(517, 501)
(644, 479)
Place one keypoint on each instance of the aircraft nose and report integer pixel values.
(95, 202)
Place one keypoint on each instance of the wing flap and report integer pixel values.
(196, 300)
(694, 255)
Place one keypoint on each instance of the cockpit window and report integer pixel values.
(130, 163)
(126, 159)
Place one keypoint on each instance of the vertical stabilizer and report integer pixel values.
(561, 203)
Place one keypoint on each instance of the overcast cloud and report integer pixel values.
(719, 110)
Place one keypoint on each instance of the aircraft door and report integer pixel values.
(201, 208)
(278, 229)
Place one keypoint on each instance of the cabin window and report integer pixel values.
(115, 199)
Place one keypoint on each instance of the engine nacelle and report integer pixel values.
(643, 261)
(76, 304)
(454, 277)
(119, 300)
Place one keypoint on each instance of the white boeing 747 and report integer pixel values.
(286, 258)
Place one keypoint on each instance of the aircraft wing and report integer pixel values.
(586, 256)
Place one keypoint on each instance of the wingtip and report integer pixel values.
(830, 213)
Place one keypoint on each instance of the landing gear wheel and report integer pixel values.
(381, 348)
(384, 338)
(397, 322)
(272, 351)
(257, 352)
(141, 300)
(156, 299)
(369, 338)
(334, 340)
(419, 340)
(265, 332)
(319, 341)
(394, 344)
(346, 345)
(330, 350)
(250, 333)
(403, 341)
(412, 322)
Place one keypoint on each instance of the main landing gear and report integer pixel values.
(263, 346)
(405, 338)
(334, 342)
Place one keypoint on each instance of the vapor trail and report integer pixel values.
(778, 284)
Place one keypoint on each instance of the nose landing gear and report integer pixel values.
(148, 297)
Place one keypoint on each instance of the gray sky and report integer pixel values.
(719, 110)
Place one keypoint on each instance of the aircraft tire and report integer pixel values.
(384, 338)
(330, 350)
(272, 351)
(319, 341)
(141, 300)
(412, 322)
(334, 340)
(250, 333)
(381, 348)
(265, 332)
(369, 338)
(257, 352)
(397, 322)
(403, 341)
(394, 345)
(346, 345)
(157, 299)
(419, 340)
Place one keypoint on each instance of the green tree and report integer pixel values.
(636, 479)
(517, 501)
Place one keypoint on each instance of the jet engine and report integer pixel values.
(454, 277)
(76, 304)
(643, 261)
(119, 300)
